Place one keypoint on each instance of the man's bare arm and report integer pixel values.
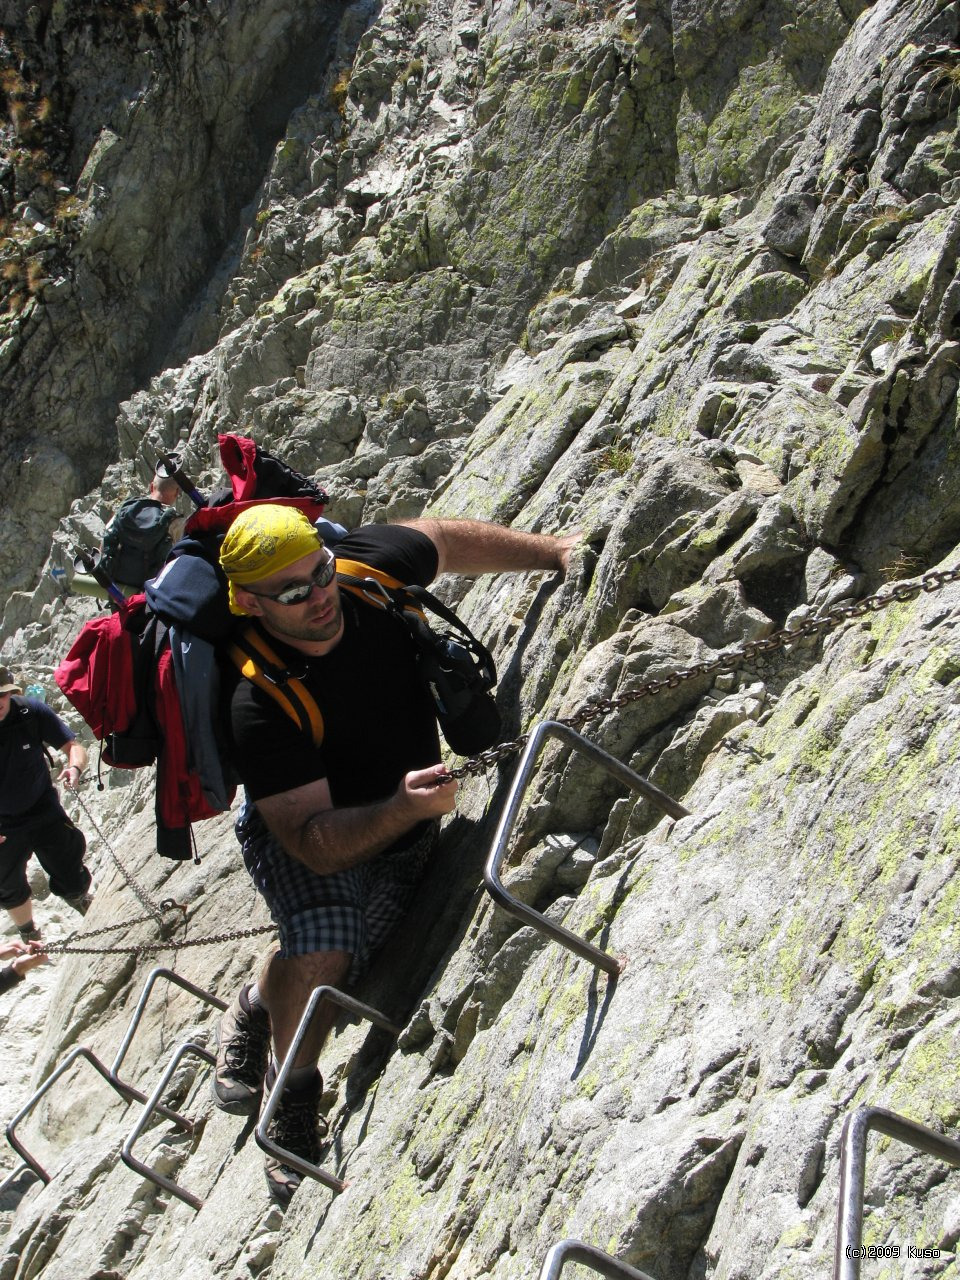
(327, 839)
(76, 755)
(473, 546)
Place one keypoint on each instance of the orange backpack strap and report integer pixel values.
(257, 662)
(354, 576)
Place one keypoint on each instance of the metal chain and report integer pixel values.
(69, 948)
(168, 904)
(834, 617)
(593, 709)
(154, 909)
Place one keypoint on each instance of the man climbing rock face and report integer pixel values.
(32, 819)
(136, 541)
(335, 836)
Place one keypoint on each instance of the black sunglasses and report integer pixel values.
(297, 592)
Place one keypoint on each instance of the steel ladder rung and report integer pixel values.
(587, 1256)
(129, 1092)
(491, 874)
(318, 995)
(290, 1158)
(853, 1168)
(152, 1105)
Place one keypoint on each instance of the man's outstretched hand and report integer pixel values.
(567, 543)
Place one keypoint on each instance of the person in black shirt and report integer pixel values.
(32, 819)
(337, 836)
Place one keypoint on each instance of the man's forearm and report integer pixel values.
(473, 546)
(327, 839)
(340, 838)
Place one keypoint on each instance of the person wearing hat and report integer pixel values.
(336, 837)
(32, 819)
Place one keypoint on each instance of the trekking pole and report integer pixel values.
(84, 561)
(168, 468)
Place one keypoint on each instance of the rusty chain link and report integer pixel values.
(69, 948)
(593, 709)
(834, 617)
(154, 909)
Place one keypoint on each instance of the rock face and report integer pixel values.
(679, 276)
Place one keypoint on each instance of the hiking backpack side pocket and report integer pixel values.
(98, 677)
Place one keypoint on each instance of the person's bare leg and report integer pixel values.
(22, 914)
(285, 986)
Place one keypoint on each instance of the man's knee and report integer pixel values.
(312, 969)
(14, 886)
(15, 898)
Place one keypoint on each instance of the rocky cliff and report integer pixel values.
(681, 276)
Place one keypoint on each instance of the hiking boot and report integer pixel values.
(297, 1127)
(243, 1049)
(79, 902)
(29, 932)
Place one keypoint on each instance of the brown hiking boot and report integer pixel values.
(297, 1127)
(243, 1050)
(80, 902)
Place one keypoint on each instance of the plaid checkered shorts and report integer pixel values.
(352, 910)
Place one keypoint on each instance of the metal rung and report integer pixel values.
(853, 1165)
(491, 872)
(111, 1074)
(289, 1158)
(81, 1051)
(152, 1105)
(577, 1251)
(152, 978)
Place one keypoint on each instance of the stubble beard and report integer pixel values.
(310, 632)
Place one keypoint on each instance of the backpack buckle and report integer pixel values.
(380, 596)
(278, 677)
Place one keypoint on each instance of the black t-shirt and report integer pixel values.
(379, 721)
(24, 772)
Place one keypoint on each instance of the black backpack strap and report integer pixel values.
(409, 602)
(455, 668)
(29, 722)
(255, 659)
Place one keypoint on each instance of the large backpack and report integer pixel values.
(145, 678)
(104, 675)
(137, 541)
(120, 675)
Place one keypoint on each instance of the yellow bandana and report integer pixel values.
(263, 540)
